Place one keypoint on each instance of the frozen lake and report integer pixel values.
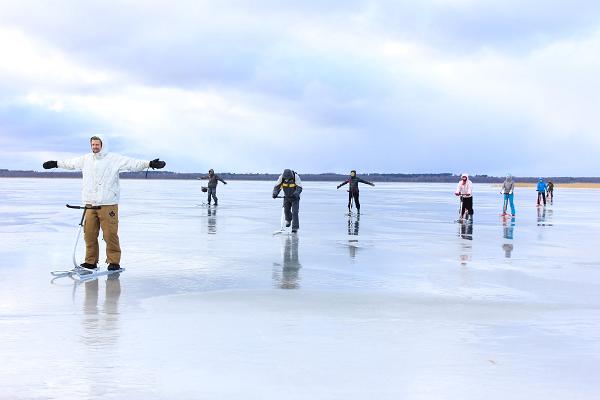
(212, 306)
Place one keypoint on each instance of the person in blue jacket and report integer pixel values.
(541, 189)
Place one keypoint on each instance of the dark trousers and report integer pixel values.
(543, 196)
(212, 191)
(467, 205)
(291, 206)
(354, 194)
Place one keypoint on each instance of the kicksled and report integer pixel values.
(78, 273)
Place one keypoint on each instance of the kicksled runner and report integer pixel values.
(78, 273)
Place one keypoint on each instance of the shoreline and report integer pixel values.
(573, 185)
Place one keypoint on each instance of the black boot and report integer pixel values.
(114, 267)
(91, 267)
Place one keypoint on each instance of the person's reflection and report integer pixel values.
(508, 225)
(508, 248)
(465, 231)
(101, 325)
(466, 253)
(289, 277)
(212, 220)
(549, 214)
(544, 217)
(508, 231)
(541, 216)
(90, 310)
(353, 226)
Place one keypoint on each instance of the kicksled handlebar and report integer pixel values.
(84, 207)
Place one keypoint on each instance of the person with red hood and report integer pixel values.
(465, 191)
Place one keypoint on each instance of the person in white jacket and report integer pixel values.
(100, 171)
(465, 191)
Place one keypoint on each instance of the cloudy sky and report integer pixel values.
(488, 86)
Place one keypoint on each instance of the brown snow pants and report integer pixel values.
(107, 218)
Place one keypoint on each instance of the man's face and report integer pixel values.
(96, 146)
(464, 179)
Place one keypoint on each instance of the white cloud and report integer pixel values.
(242, 85)
(27, 63)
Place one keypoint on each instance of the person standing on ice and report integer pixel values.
(353, 191)
(291, 184)
(541, 189)
(508, 190)
(465, 191)
(213, 180)
(550, 192)
(100, 171)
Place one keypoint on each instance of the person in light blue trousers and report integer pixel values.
(508, 190)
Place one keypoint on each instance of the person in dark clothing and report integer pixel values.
(550, 191)
(353, 191)
(213, 180)
(291, 184)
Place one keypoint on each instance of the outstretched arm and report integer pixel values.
(343, 183)
(73, 164)
(134, 165)
(131, 164)
(219, 178)
(365, 182)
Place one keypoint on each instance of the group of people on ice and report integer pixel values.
(100, 196)
(465, 191)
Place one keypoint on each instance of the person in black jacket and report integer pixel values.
(353, 191)
(291, 184)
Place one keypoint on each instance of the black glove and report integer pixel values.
(339, 186)
(157, 164)
(50, 164)
(276, 192)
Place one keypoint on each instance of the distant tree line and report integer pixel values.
(326, 177)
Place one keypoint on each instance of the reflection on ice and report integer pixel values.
(508, 232)
(353, 225)
(211, 221)
(544, 216)
(465, 230)
(288, 277)
(101, 325)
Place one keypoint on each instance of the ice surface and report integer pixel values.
(213, 306)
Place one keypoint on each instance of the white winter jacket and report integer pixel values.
(101, 175)
(465, 189)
